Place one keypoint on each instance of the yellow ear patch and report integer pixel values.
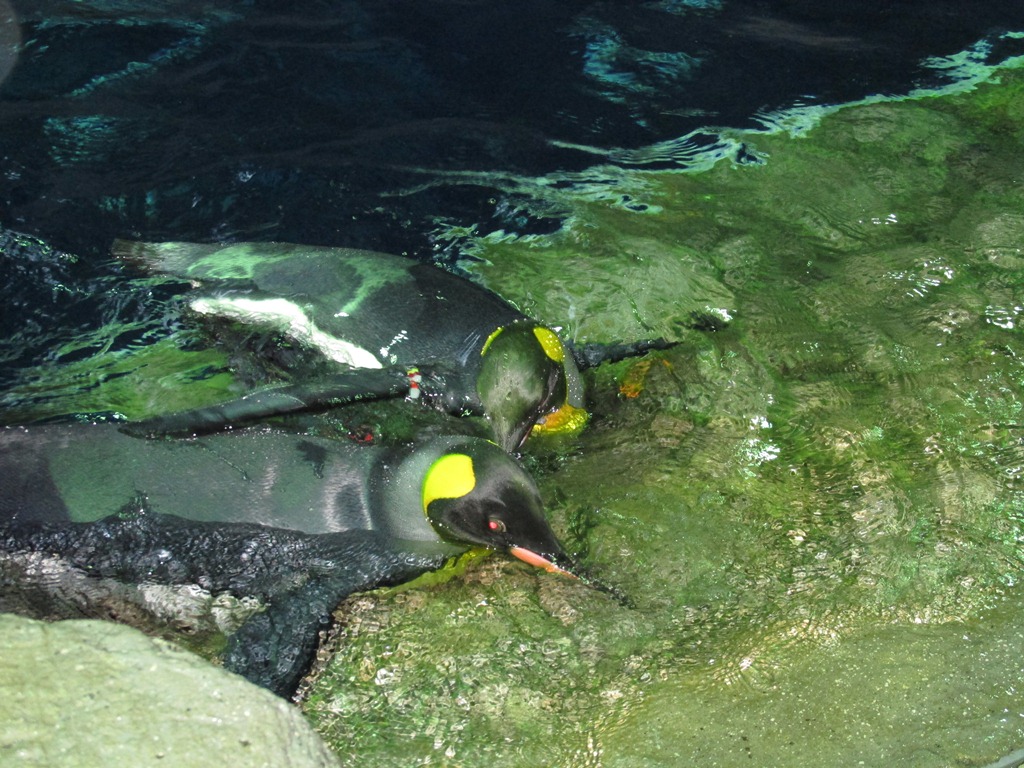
(490, 340)
(450, 477)
(550, 343)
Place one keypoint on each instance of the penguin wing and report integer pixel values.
(593, 355)
(275, 648)
(320, 394)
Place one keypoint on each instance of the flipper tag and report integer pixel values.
(415, 379)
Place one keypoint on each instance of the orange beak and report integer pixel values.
(540, 562)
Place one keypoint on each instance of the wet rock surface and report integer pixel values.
(90, 693)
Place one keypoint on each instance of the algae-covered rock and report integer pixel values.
(815, 509)
(898, 695)
(92, 693)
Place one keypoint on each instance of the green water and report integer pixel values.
(817, 510)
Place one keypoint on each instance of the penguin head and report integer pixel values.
(528, 380)
(476, 494)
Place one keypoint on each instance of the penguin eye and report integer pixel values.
(496, 525)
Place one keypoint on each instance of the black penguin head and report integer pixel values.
(477, 494)
(527, 379)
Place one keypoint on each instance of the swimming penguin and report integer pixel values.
(464, 349)
(297, 521)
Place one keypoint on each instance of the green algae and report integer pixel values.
(131, 384)
(816, 511)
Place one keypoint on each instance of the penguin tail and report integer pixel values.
(174, 258)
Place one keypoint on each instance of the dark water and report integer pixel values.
(343, 122)
(372, 124)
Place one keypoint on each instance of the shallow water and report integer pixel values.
(816, 510)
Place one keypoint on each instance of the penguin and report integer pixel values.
(297, 521)
(447, 493)
(465, 350)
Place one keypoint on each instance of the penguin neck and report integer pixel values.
(399, 485)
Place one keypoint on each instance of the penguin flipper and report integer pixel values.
(139, 545)
(300, 577)
(593, 355)
(318, 395)
(275, 649)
